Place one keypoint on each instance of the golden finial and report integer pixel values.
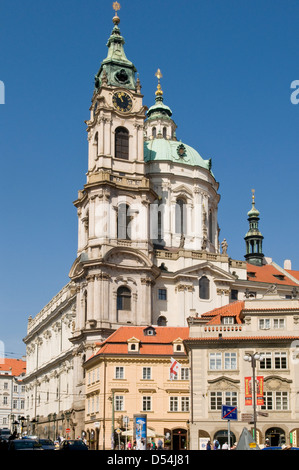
(253, 197)
(116, 7)
(159, 75)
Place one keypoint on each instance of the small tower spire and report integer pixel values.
(159, 92)
(116, 69)
(116, 7)
(254, 238)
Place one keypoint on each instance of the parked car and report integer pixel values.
(73, 444)
(47, 444)
(24, 444)
(4, 434)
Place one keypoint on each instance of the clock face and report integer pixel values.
(122, 101)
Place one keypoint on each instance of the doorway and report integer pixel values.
(222, 437)
(179, 439)
(276, 436)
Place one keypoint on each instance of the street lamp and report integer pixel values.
(253, 358)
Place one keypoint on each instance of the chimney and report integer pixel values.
(287, 264)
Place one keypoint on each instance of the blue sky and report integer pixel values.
(227, 70)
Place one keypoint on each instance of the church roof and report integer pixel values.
(160, 149)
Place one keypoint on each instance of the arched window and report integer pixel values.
(123, 298)
(123, 222)
(154, 132)
(85, 305)
(210, 221)
(204, 288)
(162, 321)
(164, 132)
(180, 217)
(96, 144)
(122, 143)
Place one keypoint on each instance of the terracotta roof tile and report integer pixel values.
(16, 366)
(269, 274)
(159, 344)
(243, 338)
(231, 310)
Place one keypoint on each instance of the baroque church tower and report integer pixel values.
(114, 269)
(148, 248)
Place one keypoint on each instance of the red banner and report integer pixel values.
(248, 391)
(259, 390)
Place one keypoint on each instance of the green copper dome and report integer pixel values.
(172, 150)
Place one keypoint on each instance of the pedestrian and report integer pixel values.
(216, 445)
(208, 446)
(129, 446)
(225, 446)
(160, 444)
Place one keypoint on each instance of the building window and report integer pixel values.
(276, 360)
(174, 404)
(122, 143)
(267, 323)
(179, 404)
(146, 403)
(119, 372)
(276, 401)
(215, 362)
(119, 403)
(228, 320)
(162, 294)
(123, 298)
(185, 404)
(146, 373)
(217, 399)
(184, 373)
(279, 323)
(123, 222)
(133, 347)
(210, 223)
(234, 294)
(162, 321)
(223, 361)
(180, 216)
(204, 288)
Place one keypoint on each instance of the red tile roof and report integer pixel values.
(160, 344)
(293, 273)
(242, 338)
(15, 367)
(231, 310)
(267, 273)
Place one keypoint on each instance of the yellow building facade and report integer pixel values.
(130, 374)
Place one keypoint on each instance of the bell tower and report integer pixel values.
(114, 269)
(115, 128)
(254, 238)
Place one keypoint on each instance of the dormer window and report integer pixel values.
(280, 277)
(133, 345)
(178, 346)
(228, 320)
(150, 331)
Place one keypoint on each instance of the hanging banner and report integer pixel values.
(259, 390)
(248, 391)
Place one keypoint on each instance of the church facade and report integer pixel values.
(148, 244)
